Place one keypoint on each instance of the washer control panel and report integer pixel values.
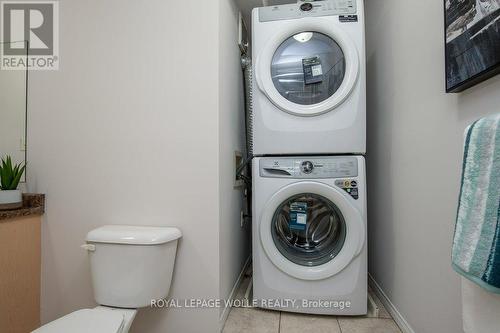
(309, 167)
(307, 9)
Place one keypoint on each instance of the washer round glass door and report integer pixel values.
(310, 230)
(308, 68)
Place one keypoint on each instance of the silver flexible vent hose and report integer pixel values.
(246, 63)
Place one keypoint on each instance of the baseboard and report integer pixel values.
(396, 315)
(225, 312)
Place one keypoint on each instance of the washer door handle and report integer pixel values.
(362, 239)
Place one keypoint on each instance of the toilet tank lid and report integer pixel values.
(84, 321)
(133, 235)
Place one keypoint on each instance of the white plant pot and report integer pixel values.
(11, 199)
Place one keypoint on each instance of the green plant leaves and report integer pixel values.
(10, 176)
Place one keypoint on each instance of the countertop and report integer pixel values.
(33, 204)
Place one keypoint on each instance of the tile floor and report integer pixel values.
(254, 320)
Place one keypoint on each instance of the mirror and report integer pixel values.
(13, 108)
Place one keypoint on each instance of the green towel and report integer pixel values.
(476, 246)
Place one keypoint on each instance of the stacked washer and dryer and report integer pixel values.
(309, 139)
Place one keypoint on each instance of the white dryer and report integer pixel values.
(309, 90)
(309, 234)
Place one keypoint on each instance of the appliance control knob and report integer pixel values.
(305, 7)
(307, 167)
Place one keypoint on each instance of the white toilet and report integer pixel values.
(131, 266)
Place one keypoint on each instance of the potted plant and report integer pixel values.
(10, 176)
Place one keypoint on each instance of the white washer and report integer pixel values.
(309, 90)
(309, 234)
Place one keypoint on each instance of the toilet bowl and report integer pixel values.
(130, 267)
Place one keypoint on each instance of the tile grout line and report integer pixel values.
(338, 323)
(279, 323)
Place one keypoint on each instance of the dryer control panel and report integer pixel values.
(309, 167)
(307, 9)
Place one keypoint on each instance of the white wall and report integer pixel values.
(234, 243)
(414, 160)
(12, 114)
(126, 132)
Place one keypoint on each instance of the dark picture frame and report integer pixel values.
(472, 42)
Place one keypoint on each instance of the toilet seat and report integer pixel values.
(98, 320)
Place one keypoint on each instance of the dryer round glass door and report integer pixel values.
(311, 230)
(308, 68)
(308, 229)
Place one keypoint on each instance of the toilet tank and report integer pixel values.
(131, 265)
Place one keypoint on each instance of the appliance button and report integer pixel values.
(307, 167)
(305, 7)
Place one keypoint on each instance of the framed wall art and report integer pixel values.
(472, 37)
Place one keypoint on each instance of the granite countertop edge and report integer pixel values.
(33, 204)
